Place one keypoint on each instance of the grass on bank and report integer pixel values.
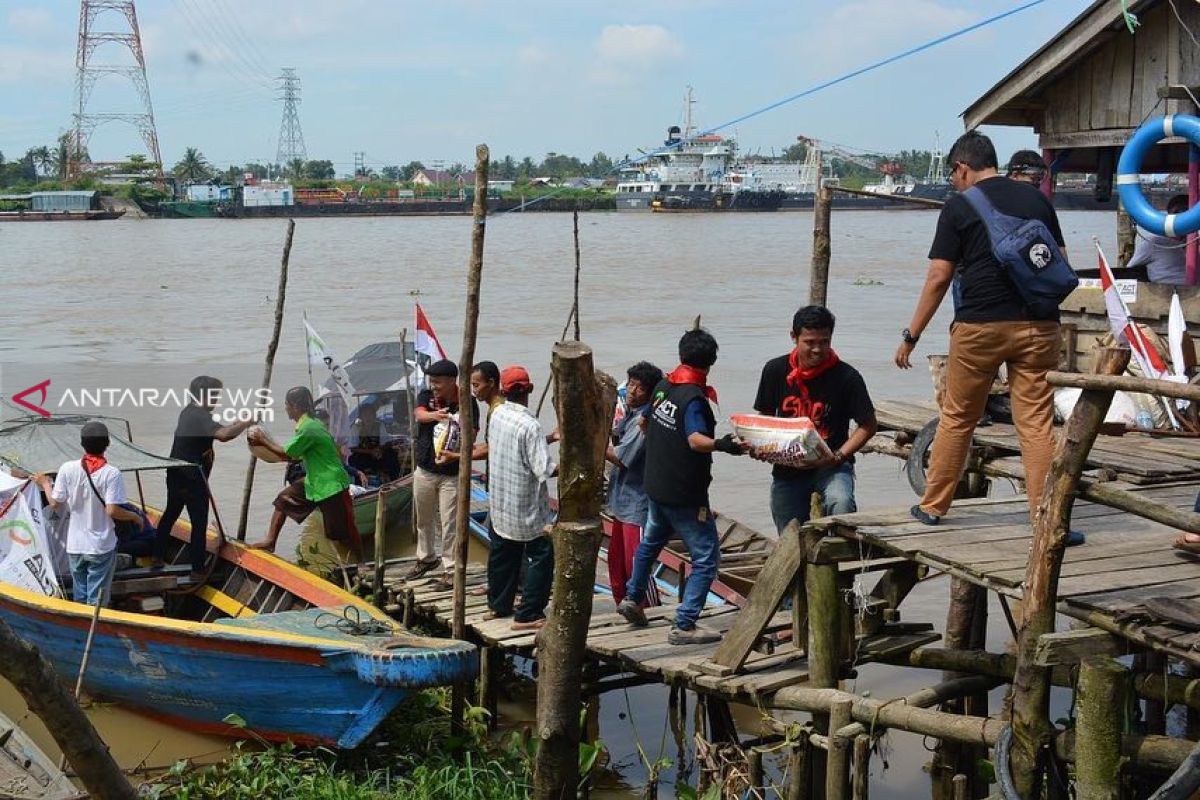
(412, 756)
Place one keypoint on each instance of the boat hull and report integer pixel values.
(289, 676)
(58, 216)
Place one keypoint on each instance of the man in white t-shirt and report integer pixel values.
(93, 491)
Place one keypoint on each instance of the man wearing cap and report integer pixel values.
(519, 471)
(93, 491)
(435, 484)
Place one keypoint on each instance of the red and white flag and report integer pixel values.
(426, 341)
(1125, 329)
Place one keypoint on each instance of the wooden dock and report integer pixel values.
(1111, 581)
(619, 647)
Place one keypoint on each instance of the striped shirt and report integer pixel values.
(519, 470)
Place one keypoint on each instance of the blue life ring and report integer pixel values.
(1128, 177)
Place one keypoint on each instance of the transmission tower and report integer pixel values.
(291, 138)
(88, 72)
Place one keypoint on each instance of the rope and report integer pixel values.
(912, 51)
(351, 622)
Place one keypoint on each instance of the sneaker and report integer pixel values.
(924, 517)
(443, 582)
(1075, 537)
(632, 613)
(420, 568)
(692, 635)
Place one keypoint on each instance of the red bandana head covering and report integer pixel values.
(798, 375)
(686, 374)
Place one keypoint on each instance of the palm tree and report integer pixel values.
(43, 158)
(193, 167)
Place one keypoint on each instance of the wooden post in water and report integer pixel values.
(1098, 726)
(799, 763)
(818, 279)
(824, 633)
(968, 603)
(584, 402)
(381, 500)
(575, 305)
(48, 698)
(1032, 730)
(466, 423)
(837, 770)
(280, 296)
(861, 789)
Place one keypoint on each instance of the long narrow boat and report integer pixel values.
(27, 773)
(261, 644)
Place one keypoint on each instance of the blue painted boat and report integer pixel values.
(258, 645)
(263, 643)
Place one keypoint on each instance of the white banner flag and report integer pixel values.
(25, 559)
(319, 355)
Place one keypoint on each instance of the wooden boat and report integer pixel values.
(27, 773)
(743, 553)
(59, 216)
(261, 644)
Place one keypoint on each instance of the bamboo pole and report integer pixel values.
(1032, 729)
(1098, 725)
(381, 500)
(575, 305)
(584, 403)
(818, 279)
(49, 699)
(268, 368)
(466, 422)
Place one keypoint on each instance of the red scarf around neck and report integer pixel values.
(798, 376)
(92, 463)
(685, 374)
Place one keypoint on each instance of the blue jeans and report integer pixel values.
(696, 527)
(91, 576)
(791, 498)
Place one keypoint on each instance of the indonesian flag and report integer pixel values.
(1125, 329)
(426, 341)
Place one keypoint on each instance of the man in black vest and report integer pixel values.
(680, 430)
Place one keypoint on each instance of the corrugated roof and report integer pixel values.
(71, 193)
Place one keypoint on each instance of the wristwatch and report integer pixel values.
(906, 334)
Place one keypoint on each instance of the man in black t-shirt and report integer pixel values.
(187, 488)
(992, 326)
(811, 381)
(435, 483)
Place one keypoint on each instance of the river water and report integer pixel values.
(133, 303)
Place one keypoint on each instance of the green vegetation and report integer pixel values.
(413, 756)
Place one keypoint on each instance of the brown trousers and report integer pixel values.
(977, 349)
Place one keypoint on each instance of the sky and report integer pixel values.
(401, 81)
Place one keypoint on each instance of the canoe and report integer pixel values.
(262, 645)
(26, 772)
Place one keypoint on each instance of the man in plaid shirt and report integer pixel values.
(519, 471)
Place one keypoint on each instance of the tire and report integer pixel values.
(918, 457)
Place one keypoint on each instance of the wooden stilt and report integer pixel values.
(837, 770)
(754, 760)
(490, 660)
(1032, 730)
(799, 763)
(824, 627)
(818, 281)
(1098, 725)
(1156, 710)
(381, 499)
(861, 787)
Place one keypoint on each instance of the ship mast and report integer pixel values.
(935, 174)
(688, 102)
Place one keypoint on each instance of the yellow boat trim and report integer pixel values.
(224, 602)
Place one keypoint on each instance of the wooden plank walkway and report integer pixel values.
(1134, 458)
(1107, 581)
(645, 651)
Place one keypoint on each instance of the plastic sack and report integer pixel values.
(788, 442)
(447, 437)
(257, 450)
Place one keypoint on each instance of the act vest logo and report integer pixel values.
(39, 389)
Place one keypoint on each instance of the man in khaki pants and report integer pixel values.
(435, 484)
(992, 326)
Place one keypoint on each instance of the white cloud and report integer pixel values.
(29, 20)
(863, 30)
(624, 53)
(531, 55)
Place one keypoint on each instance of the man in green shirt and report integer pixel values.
(325, 483)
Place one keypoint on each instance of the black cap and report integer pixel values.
(442, 369)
